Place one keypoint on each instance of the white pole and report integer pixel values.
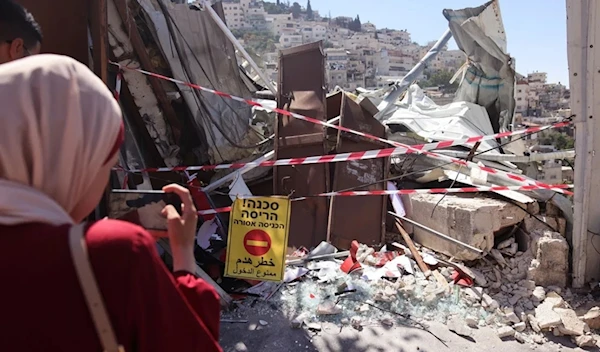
(583, 29)
(238, 45)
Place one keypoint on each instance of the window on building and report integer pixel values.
(519, 99)
(286, 40)
(520, 90)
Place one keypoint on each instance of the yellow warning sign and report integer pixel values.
(258, 236)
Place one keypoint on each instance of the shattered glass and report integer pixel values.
(413, 297)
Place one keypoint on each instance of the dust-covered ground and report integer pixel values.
(278, 335)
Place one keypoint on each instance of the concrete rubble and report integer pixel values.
(592, 318)
(517, 290)
(505, 331)
(585, 341)
(551, 263)
(472, 220)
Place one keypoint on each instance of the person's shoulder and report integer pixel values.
(118, 234)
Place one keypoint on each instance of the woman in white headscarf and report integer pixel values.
(60, 131)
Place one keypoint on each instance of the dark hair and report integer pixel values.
(17, 22)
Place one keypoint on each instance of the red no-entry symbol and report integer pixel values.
(257, 242)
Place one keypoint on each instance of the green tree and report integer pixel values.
(355, 25)
(257, 41)
(309, 11)
(559, 140)
(296, 10)
(275, 9)
(441, 79)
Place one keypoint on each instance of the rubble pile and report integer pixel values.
(470, 219)
(519, 293)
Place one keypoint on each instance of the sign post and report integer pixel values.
(258, 236)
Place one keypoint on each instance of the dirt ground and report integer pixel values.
(278, 335)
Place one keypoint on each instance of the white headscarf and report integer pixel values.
(58, 125)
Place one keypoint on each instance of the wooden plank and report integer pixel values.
(226, 300)
(458, 267)
(413, 250)
(155, 83)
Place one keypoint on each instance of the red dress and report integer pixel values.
(42, 307)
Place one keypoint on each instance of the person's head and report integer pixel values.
(20, 34)
(61, 132)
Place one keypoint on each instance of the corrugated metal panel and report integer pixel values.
(206, 57)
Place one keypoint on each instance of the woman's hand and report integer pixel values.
(182, 229)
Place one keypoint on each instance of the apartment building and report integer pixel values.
(537, 77)
(394, 37)
(336, 61)
(243, 14)
(381, 62)
(399, 62)
(288, 40)
(522, 97)
(284, 23)
(234, 15)
(313, 33)
(453, 59)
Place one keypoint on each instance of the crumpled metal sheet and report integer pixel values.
(442, 123)
(208, 59)
(489, 78)
(141, 91)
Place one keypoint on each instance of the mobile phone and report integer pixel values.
(142, 207)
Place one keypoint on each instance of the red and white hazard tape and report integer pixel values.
(524, 181)
(118, 84)
(214, 211)
(364, 155)
(558, 188)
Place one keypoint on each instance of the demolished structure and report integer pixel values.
(492, 247)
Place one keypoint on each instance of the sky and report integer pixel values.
(535, 29)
